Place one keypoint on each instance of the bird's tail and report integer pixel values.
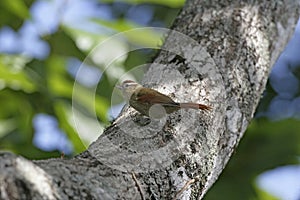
(195, 106)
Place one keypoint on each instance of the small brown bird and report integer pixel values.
(142, 99)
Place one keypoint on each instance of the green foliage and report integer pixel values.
(63, 45)
(12, 75)
(169, 3)
(142, 37)
(30, 86)
(17, 7)
(13, 13)
(263, 195)
(265, 145)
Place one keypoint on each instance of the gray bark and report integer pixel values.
(182, 155)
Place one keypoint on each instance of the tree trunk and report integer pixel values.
(220, 53)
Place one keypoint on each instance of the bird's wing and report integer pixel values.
(147, 95)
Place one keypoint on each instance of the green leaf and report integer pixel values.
(263, 195)
(85, 41)
(84, 98)
(170, 3)
(18, 7)
(62, 44)
(142, 36)
(6, 126)
(61, 86)
(14, 77)
(61, 114)
(265, 146)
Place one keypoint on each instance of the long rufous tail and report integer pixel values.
(195, 106)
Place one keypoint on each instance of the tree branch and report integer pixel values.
(222, 58)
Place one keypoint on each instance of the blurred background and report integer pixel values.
(45, 43)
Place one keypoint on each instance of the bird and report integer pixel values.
(143, 99)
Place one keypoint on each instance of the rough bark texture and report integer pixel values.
(182, 155)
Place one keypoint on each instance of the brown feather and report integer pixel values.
(143, 98)
(195, 106)
(151, 96)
